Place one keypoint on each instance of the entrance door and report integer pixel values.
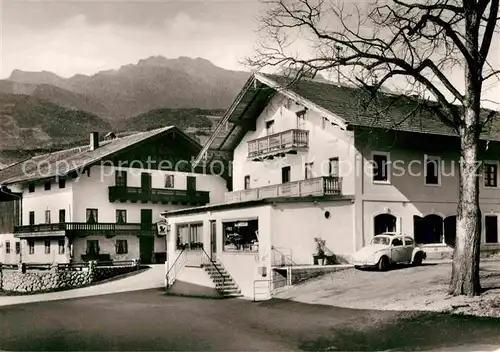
(191, 185)
(146, 238)
(213, 239)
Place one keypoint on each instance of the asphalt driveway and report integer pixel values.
(149, 320)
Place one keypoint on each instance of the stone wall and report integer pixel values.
(50, 280)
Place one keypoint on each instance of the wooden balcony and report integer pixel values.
(68, 228)
(290, 141)
(158, 195)
(320, 186)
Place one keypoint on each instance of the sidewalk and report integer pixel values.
(151, 278)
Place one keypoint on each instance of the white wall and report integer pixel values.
(41, 200)
(92, 192)
(295, 225)
(12, 257)
(243, 267)
(323, 145)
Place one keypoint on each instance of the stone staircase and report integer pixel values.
(224, 283)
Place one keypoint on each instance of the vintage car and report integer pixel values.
(389, 248)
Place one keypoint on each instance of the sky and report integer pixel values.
(86, 36)
(68, 36)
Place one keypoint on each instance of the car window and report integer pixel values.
(397, 242)
(380, 240)
(409, 241)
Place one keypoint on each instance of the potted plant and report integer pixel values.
(320, 251)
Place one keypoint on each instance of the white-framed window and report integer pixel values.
(490, 174)
(432, 170)
(169, 181)
(381, 171)
(301, 120)
(47, 216)
(491, 228)
(121, 247)
(309, 171)
(47, 246)
(270, 127)
(333, 167)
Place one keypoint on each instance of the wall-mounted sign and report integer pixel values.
(241, 224)
(162, 228)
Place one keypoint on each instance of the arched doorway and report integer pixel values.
(429, 229)
(384, 223)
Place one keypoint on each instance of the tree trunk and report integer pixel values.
(465, 271)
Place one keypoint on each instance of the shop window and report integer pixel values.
(241, 236)
(190, 236)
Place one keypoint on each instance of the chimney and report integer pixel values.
(94, 140)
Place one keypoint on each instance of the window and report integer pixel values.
(409, 241)
(31, 188)
(121, 178)
(121, 216)
(324, 122)
(92, 217)
(285, 174)
(60, 245)
(301, 119)
(432, 170)
(92, 247)
(62, 216)
(31, 247)
(429, 229)
(121, 247)
(270, 127)
(247, 182)
(333, 167)
(308, 171)
(169, 181)
(47, 216)
(491, 228)
(47, 246)
(490, 175)
(380, 167)
(18, 247)
(397, 242)
(62, 183)
(32, 218)
(47, 186)
(241, 236)
(189, 236)
(384, 223)
(7, 247)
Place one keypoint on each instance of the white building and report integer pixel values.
(310, 161)
(102, 201)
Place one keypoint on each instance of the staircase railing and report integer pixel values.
(206, 260)
(176, 268)
(279, 258)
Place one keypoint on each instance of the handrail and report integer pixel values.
(287, 257)
(182, 255)
(215, 266)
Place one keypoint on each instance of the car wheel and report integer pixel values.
(383, 264)
(418, 259)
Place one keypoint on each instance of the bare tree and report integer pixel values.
(420, 41)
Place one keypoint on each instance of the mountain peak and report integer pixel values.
(46, 77)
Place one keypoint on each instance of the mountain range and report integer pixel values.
(40, 110)
(154, 82)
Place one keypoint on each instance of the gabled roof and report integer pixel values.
(65, 161)
(342, 105)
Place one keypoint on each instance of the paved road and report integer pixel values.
(149, 320)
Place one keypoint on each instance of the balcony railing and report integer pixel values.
(320, 186)
(158, 195)
(83, 226)
(283, 142)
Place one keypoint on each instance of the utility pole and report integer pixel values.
(339, 50)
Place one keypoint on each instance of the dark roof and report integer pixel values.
(348, 104)
(64, 161)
